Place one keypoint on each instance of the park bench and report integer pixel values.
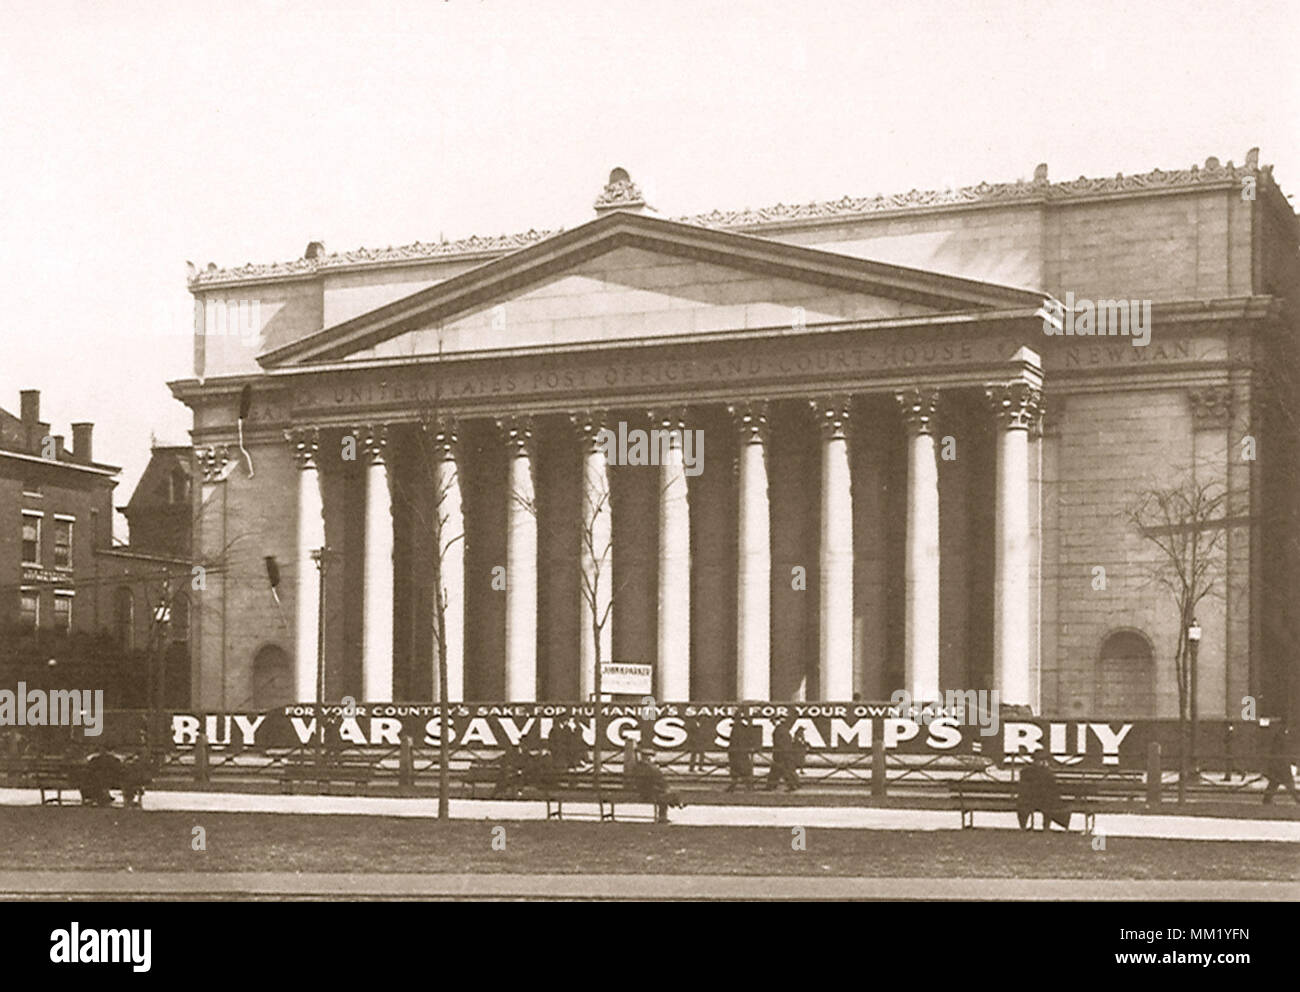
(481, 774)
(582, 788)
(559, 788)
(1082, 790)
(305, 766)
(53, 776)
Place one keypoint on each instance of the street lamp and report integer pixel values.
(320, 556)
(1193, 645)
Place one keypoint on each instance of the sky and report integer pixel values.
(137, 136)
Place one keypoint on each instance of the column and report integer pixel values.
(307, 582)
(1016, 406)
(449, 546)
(377, 622)
(835, 661)
(595, 552)
(921, 562)
(754, 571)
(673, 661)
(521, 563)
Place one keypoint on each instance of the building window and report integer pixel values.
(178, 487)
(63, 611)
(29, 608)
(62, 543)
(31, 538)
(180, 618)
(124, 618)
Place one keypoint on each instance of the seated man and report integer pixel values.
(105, 771)
(651, 785)
(509, 773)
(1039, 793)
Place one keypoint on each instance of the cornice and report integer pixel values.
(621, 194)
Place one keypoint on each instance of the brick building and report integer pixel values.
(59, 509)
(69, 594)
(907, 481)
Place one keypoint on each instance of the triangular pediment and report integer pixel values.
(628, 277)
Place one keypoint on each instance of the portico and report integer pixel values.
(557, 524)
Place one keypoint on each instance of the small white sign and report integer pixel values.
(624, 679)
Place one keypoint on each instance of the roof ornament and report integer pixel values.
(620, 193)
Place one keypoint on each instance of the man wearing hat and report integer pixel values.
(651, 785)
(1040, 793)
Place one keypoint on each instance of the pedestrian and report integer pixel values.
(798, 752)
(739, 755)
(1040, 793)
(1277, 764)
(781, 747)
(698, 739)
(1229, 765)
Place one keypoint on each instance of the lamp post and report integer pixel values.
(1193, 646)
(162, 615)
(319, 556)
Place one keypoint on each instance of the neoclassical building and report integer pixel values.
(873, 463)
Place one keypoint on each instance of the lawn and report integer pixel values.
(89, 838)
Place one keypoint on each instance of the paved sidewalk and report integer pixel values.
(242, 885)
(846, 817)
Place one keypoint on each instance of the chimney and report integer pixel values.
(30, 410)
(82, 445)
(58, 447)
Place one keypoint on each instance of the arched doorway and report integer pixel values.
(1126, 676)
(272, 679)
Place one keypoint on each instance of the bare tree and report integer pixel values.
(441, 479)
(1187, 526)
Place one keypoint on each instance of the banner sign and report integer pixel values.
(840, 728)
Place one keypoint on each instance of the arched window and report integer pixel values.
(179, 631)
(124, 618)
(1126, 676)
(272, 679)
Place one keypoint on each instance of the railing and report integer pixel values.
(418, 767)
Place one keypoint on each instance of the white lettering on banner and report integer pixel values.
(514, 732)
(185, 729)
(843, 732)
(824, 726)
(305, 730)
(1020, 739)
(670, 732)
(899, 730)
(248, 728)
(1110, 740)
(386, 730)
(944, 734)
(479, 731)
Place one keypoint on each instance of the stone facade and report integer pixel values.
(906, 482)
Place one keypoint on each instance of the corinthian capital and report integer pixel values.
(1017, 405)
(517, 432)
(212, 460)
(750, 419)
(589, 424)
(305, 442)
(443, 432)
(918, 406)
(832, 413)
(374, 442)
